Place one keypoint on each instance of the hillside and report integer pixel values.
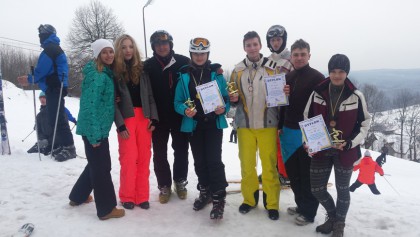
(37, 191)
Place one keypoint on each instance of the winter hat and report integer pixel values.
(367, 153)
(100, 44)
(46, 29)
(339, 61)
(42, 94)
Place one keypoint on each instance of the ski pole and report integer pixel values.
(391, 185)
(28, 135)
(73, 127)
(56, 116)
(36, 126)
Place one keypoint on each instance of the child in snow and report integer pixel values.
(95, 120)
(349, 114)
(135, 117)
(367, 167)
(206, 129)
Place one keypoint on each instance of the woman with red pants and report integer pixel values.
(135, 118)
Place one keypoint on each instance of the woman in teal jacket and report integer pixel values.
(95, 119)
(206, 129)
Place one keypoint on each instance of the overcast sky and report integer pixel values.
(374, 34)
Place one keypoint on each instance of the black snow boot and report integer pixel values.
(203, 199)
(66, 153)
(219, 200)
(327, 227)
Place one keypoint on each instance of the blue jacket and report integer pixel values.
(70, 116)
(45, 66)
(181, 95)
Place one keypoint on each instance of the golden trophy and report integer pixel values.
(336, 137)
(232, 89)
(190, 104)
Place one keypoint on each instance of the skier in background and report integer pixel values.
(381, 160)
(367, 167)
(51, 75)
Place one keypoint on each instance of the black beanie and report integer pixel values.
(339, 61)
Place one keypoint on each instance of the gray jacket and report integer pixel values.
(124, 107)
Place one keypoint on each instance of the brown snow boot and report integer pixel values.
(115, 213)
(88, 200)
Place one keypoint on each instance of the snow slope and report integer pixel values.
(37, 191)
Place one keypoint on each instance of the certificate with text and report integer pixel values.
(275, 95)
(315, 134)
(210, 96)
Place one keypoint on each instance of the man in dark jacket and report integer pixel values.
(162, 69)
(302, 81)
(50, 73)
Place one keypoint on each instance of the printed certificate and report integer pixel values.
(210, 96)
(275, 95)
(315, 134)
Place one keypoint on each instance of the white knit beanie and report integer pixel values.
(100, 44)
(367, 153)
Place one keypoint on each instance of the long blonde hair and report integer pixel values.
(121, 69)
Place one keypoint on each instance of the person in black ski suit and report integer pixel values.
(381, 160)
(44, 129)
(50, 73)
(162, 69)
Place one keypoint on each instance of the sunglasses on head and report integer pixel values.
(200, 41)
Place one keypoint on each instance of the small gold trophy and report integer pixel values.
(190, 104)
(232, 89)
(336, 137)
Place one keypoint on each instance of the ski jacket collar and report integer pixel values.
(52, 39)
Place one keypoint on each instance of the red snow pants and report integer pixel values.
(135, 153)
(280, 162)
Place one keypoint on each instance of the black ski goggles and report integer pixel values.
(279, 32)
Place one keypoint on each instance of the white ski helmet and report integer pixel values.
(199, 45)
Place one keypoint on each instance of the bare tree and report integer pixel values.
(375, 100)
(93, 21)
(15, 62)
(412, 130)
(402, 100)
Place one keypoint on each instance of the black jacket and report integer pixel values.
(45, 131)
(163, 79)
(302, 83)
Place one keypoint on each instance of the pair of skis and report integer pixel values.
(5, 146)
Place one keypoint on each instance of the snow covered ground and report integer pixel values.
(37, 192)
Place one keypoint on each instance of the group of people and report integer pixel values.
(342, 107)
(148, 101)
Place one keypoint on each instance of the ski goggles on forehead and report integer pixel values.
(200, 41)
(161, 36)
(276, 33)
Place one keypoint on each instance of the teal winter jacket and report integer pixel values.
(182, 94)
(97, 102)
